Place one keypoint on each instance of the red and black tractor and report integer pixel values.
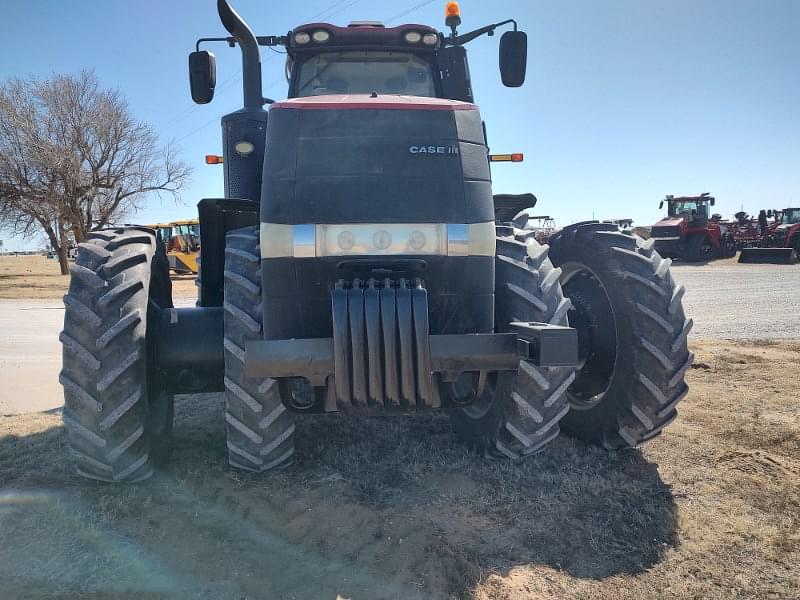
(690, 232)
(359, 262)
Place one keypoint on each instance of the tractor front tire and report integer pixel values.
(117, 415)
(518, 416)
(260, 428)
(699, 249)
(632, 335)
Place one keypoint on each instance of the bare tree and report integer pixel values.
(73, 159)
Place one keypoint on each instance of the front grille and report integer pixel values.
(669, 231)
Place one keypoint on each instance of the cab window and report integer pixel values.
(364, 72)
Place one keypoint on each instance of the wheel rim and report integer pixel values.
(297, 393)
(464, 391)
(594, 319)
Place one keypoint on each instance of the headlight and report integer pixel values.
(430, 39)
(413, 37)
(382, 238)
(320, 36)
(301, 38)
(377, 239)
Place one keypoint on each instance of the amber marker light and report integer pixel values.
(213, 159)
(515, 157)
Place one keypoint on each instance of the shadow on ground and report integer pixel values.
(372, 508)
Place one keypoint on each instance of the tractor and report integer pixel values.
(781, 245)
(689, 232)
(356, 264)
(181, 240)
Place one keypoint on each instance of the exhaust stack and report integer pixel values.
(251, 57)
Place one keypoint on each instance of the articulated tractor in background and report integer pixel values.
(357, 263)
(690, 232)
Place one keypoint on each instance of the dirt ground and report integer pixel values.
(38, 277)
(395, 508)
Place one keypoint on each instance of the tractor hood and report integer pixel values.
(669, 222)
(373, 159)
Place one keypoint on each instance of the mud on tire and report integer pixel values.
(260, 429)
(117, 417)
(632, 335)
(518, 416)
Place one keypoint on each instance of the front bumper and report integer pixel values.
(382, 355)
(669, 246)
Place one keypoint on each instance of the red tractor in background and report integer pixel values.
(786, 232)
(690, 233)
(781, 244)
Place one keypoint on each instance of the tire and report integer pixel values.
(260, 429)
(198, 282)
(519, 415)
(727, 246)
(729, 243)
(632, 335)
(117, 416)
(699, 249)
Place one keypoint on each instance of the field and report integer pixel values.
(395, 508)
(37, 277)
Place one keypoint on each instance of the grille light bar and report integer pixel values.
(377, 239)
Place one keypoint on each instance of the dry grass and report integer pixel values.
(390, 508)
(39, 278)
(26, 277)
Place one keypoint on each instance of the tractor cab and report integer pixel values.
(694, 210)
(363, 58)
(790, 216)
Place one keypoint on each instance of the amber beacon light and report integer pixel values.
(452, 14)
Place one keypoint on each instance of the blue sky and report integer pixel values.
(625, 100)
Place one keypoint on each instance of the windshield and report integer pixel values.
(689, 208)
(791, 216)
(365, 72)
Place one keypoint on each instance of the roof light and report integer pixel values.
(213, 159)
(430, 39)
(413, 37)
(320, 36)
(302, 38)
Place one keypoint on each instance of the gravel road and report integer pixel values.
(727, 301)
(734, 301)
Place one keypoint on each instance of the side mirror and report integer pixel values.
(513, 58)
(202, 76)
(712, 202)
(769, 213)
(660, 205)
